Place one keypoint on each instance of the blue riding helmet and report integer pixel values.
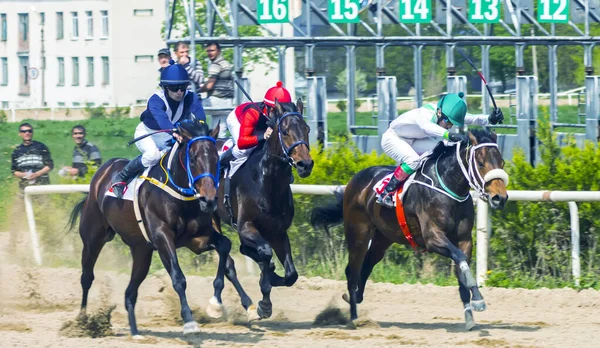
(174, 74)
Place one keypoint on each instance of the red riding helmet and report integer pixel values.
(282, 95)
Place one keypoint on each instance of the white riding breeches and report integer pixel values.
(404, 150)
(152, 147)
(240, 155)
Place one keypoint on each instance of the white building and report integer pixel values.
(96, 52)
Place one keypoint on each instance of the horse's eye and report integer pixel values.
(480, 164)
(284, 132)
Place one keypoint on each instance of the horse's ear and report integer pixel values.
(215, 132)
(279, 108)
(472, 138)
(300, 106)
(494, 137)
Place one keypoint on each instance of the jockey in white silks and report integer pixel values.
(417, 131)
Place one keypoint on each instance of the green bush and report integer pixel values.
(341, 105)
(3, 118)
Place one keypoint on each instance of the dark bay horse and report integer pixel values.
(261, 199)
(438, 208)
(171, 222)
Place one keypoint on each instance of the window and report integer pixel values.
(75, 63)
(76, 104)
(61, 71)
(23, 26)
(24, 75)
(61, 104)
(105, 71)
(4, 67)
(60, 26)
(90, 72)
(143, 12)
(104, 23)
(90, 24)
(5, 105)
(3, 27)
(144, 59)
(75, 32)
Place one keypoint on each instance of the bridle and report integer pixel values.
(191, 191)
(287, 151)
(473, 176)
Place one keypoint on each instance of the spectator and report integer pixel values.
(31, 161)
(219, 86)
(164, 56)
(83, 153)
(194, 70)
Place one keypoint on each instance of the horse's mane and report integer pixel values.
(482, 135)
(195, 127)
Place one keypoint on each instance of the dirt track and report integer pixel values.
(35, 302)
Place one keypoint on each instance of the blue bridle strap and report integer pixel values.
(191, 191)
(288, 150)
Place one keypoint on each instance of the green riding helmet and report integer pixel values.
(453, 107)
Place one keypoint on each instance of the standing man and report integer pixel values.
(31, 161)
(194, 70)
(219, 86)
(164, 56)
(84, 152)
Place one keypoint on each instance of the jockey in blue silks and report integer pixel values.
(172, 104)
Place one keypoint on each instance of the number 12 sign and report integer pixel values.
(273, 11)
(553, 11)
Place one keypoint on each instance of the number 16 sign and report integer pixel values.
(273, 11)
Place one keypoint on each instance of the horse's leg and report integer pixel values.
(379, 245)
(142, 257)
(284, 254)
(166, 249)
(257, 248)
(93, 234)
(358, 236)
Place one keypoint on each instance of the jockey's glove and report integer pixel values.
(496, 117)
(457, 137)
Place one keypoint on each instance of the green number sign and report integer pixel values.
(553, 11)
(484, 11)
(343, 11)
(415, 11)
(273, 11)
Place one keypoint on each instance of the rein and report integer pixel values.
(473, 176)
(287, 151)
(191, 190)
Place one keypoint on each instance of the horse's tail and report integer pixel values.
(330, 215)
(75, 214)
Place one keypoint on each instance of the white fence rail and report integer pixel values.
(483, 221)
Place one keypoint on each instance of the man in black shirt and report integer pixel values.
(84, 153)
(31, 161)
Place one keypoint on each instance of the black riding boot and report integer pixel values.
(225, 158)
(386, 198)
(120, 179)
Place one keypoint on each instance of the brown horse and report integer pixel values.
(171, 222)
(262, 206)
(438, 208)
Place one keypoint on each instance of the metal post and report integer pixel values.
(192, 30)
(35, 244)
(351, 88)
(552, 82)
(418, 71)
(168, 19)
(519, 54)
(575, 261)
(483, 211)
(209, 18)
(237, 52)
(485, 70)
(309, 60)
(592, 108)
(380, 59)
(588, 58)
(450, 67)
(43, 65)
(281, 56)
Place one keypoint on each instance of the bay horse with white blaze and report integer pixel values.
(171, 222)
(438, 209)
(261, 204)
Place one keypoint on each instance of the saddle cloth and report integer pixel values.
(380, 185)
(132, 187)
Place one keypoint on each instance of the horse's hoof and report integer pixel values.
(478, 305)
(346, 298)
(191, 327)
(137, 337)
(215, 309)
(469, 320)
(264, 311)
(252, 314)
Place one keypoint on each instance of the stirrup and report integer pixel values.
(119, 184)
(386, 203)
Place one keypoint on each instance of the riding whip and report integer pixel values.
(150, 134)
(480, 75)
(250, 98)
